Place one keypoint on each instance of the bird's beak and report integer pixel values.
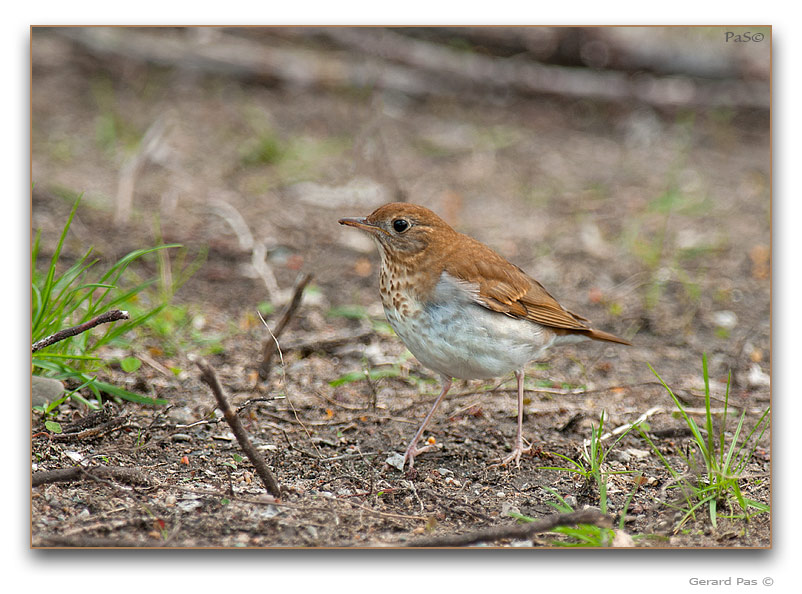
(360, 223)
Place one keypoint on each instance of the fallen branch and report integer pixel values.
(131, 476)
(104, 318)
(114, 424)
(97, 542)
(208, 375)
(516, 531)
(270, 346)
(327, 345)
(385, 59)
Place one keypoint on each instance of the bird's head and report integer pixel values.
(404, 230)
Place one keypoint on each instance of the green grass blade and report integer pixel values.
(51, 272)
(708, 416)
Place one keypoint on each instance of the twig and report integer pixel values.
(104, 318)
(627, 426)
(98, 542)
(516, 531)
(287, 392)
(208, 375)
(269, 348)
(263, 269)
(327, 345)
(114, 424)
(148, 148)
(258, 249)
(131, 476)
(145, 358)
(235, 220)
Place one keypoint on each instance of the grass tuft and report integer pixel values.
(717, 486)
(63, 299)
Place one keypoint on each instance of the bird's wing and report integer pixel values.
(505, 288)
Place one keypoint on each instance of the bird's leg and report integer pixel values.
(412, 449)
(519, 438)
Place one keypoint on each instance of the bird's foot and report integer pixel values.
(412, 451)
(514, 456)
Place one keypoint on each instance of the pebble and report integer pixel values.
(622, 539)
(725, 319)
(44, 390)
(757, 377)
(395, 460)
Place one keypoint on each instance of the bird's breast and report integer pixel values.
(454, 335)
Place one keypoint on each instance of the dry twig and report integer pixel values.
(132, 476)
(104, 318)
(516, 531)
(270, 347)
(210, 377)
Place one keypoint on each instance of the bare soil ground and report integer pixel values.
(652, 223)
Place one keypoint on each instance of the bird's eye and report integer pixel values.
(400, 225)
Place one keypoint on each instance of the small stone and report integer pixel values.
(508, 508)
(725, 319)
(45, 390)
(622, 539)
(757, 377)
(395, 460)
(638, 454)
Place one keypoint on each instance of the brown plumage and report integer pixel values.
(448, 295)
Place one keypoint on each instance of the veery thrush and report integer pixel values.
(462, 309)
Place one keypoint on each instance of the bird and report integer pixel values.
(462, 309)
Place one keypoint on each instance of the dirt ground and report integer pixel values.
(652, 222)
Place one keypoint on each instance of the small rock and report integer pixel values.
(188, 505)
(622, 539)
(638, 454)
(395, 460)
(45, 390)
(757, 377)
(270, 511)
(74, 456)
(508, 508)
(621, 456)
(725, 319)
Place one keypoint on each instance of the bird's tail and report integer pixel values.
(606, 336)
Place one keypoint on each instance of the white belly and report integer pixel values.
(456, 337)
